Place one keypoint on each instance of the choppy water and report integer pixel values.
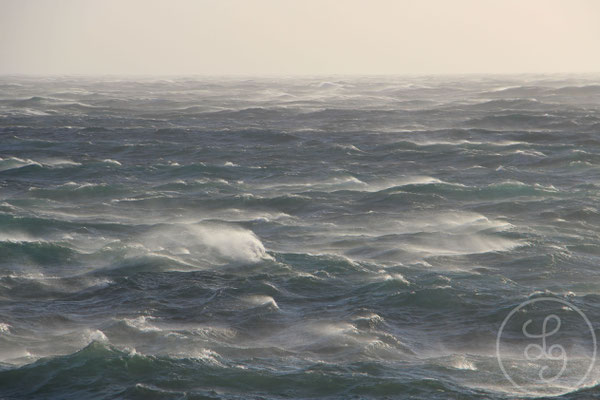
(289, 238)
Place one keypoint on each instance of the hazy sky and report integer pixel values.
(298, 37)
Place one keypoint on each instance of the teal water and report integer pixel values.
(203, 238)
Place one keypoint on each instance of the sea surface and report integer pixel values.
(271, 238)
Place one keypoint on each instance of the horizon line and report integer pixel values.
(294, 75)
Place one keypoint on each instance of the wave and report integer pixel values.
(134, 375)
(327, 85)
(416, 143)
(519, 91)
(530, 153)
(350, 183)
(572, 159)
(10, 163)
(208, 242)
(72, 191)
(494, 191)
(509, 104)
(111, 161)
(53, 103)
(445, 245)
(159, 247)
(34, 101)
(35, 253)
(28, 286)
(60, 162)
(13, 163)
(523, 121)
(546, 91)
(587, 90)
(347, 147)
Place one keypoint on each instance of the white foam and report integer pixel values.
(371, 317)
(16, 237)
(352, 183)
(141, 323)
(336, 183)
(96, 335)
(462, 363)
(215, 180)
(532, 153)
(15, 162)
(4, 327)
(202, 354)
(60, 162)
(261, 300)
(348, 147)
(548, 188)
(407, 180)
(235, 243)
(111, 161)
(396, 277)
(500, 143)
(208, 241)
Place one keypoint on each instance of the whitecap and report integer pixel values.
(111, 161)
(348, 147)
(261, 300)
(60, 162)
(396, 277)
(461, 362)
(141, 323)
(17, 237)
(15, 162)
(532, 153)
(208, 242)
(96, 335)
(4, 327)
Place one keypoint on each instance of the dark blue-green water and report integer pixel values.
(335, 238)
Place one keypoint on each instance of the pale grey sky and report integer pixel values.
(173, 37)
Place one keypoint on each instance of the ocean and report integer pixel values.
(302, 237)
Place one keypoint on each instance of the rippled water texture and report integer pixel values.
(288, 238)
